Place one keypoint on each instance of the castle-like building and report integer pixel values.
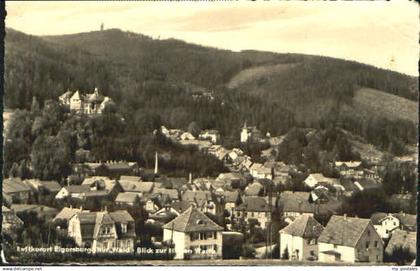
(85, 104)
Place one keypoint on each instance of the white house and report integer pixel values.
(194, 235)
(94, 103)
(384, 224)
(300, 239)
(350, 239)
(212, 135)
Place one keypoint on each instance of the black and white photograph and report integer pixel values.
(210, 133)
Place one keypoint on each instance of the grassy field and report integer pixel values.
(384, 104)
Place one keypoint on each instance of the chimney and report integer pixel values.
(156, 163)
(106, 209)
(190, 178)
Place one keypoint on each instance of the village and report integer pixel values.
(254, 210)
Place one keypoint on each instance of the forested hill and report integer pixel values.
(152, 81)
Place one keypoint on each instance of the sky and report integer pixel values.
(383, 34)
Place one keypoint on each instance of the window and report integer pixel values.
(123, 228)
(335, 246)
(215, 235)
(367, 244)
(368, 233)
(395, 223)
(376, 243)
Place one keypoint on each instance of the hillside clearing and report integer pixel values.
(371, 101)
(255, 73)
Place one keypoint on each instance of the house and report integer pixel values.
(102, 187)
(103, 231)
(350, 239)
(384, 224)
(128, 199)
(211, 135)
(131, 178)
(367, 184)
(194, 235)
(17, 190)
(254, 208)
(164, 215)
(66, 213)
(316, 179)
(42, 212)
(187, 136)
(349, 169)
(171, 193)
(85, 104)
(73, 191)
(136, 187)
(250, 134)
(232, 180)
(294, 204)
(115, 169)
(259, 171)
(402, 239)
(228, 199)
(11, 222)
(408, 222)
(43, 187)
(202, 200)
(300, 239)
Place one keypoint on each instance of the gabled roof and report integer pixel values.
(14, 185)
(199, 197)
(127, 197)
(66, 213)
(51, 186)
(134, 186)
(40, 209)
(76, 95)
(296, 202)
(181, 206)
(344, 231)
(349, 164)
(403, 239)
(172, 193)
(121, 216)
(304, 226)
(77, 189)
(131, 178)
(254, 204)
(231, 196)
(192, 220)
(377, 217)
(253, 189)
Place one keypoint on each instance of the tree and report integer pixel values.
(194, 128)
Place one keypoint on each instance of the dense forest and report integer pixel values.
(153, 82)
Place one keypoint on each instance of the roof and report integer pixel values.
(181, 206)
(14, 185)
(231, 196)
(18, 208)
(130, 178)
(128, 197)
(350, 164)
(134, 186)
(172, 193)
(296, 202)
(200, 197)
(121, 216)
(367, 184)
(103, 182)
(377, 217)
(304, 226)
(320, 178)
(52, 186)
(254, 204)
(345, 231)
(192, 220)
(118, 166)
(66, 213)
(253, 189)
(407, 220)
(76, 189)
(403, 239)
